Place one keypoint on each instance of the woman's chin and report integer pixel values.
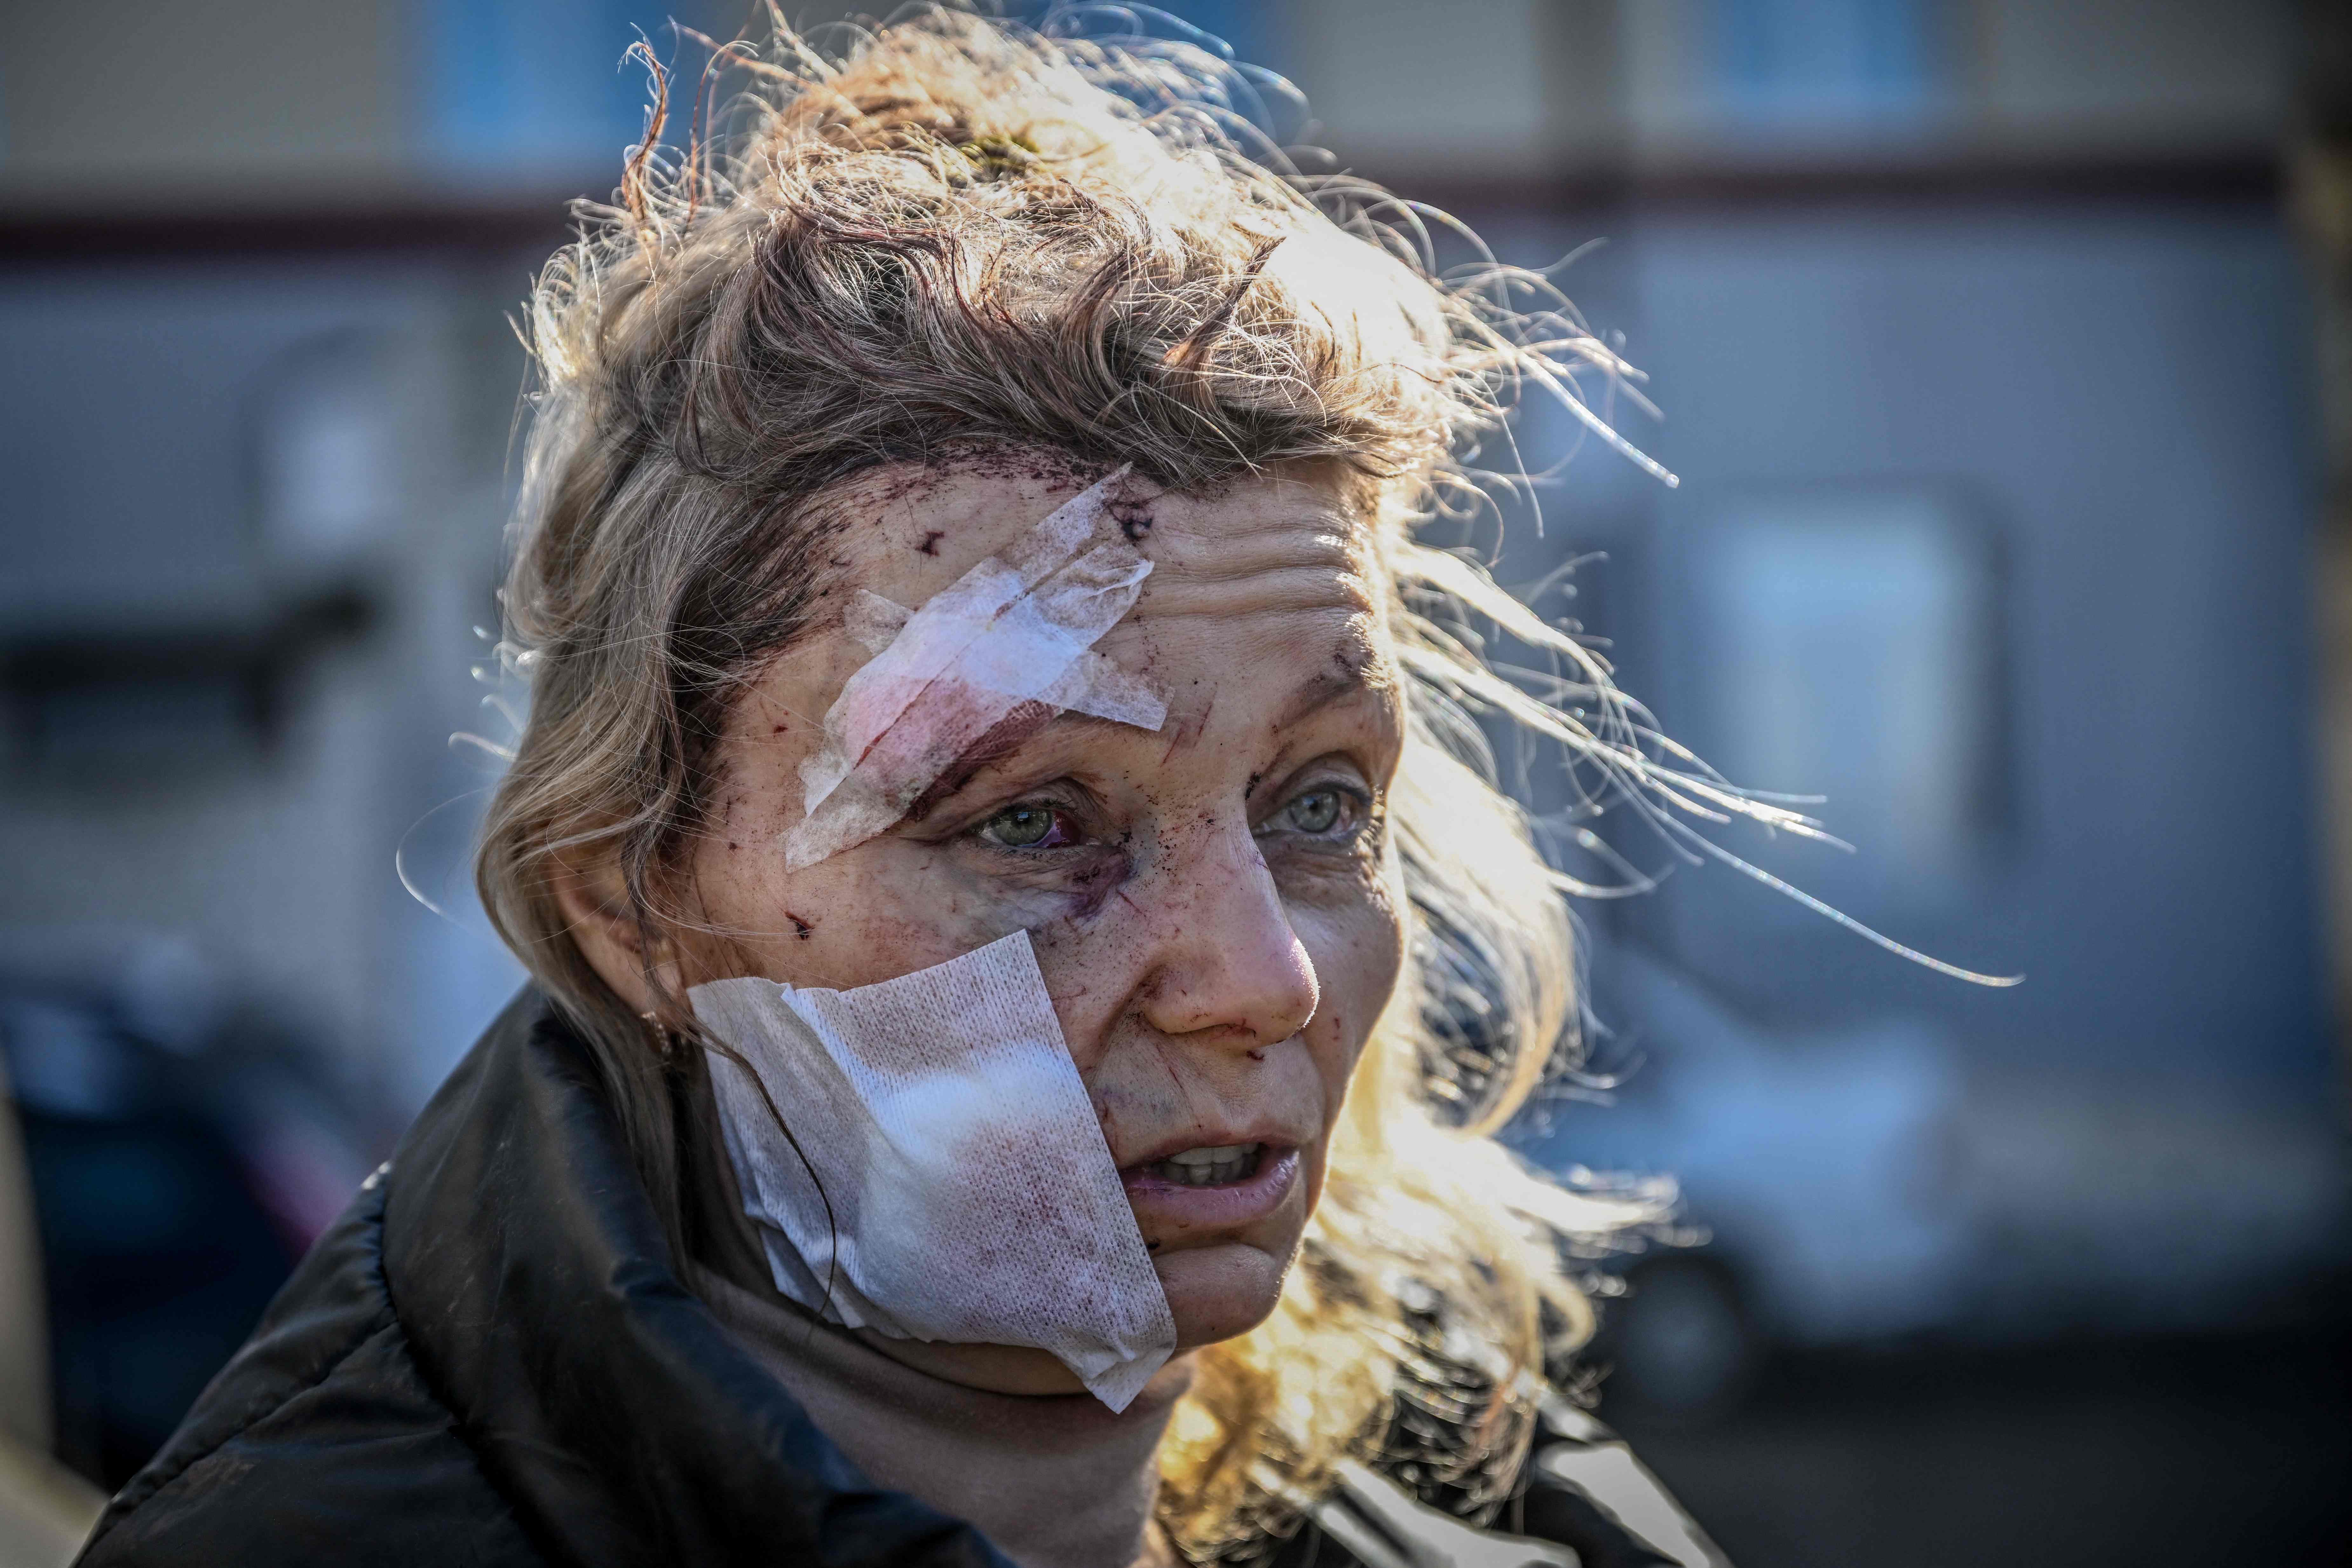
(1221, 1291)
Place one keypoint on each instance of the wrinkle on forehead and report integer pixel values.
(1300, 582)
(1282, 565)
(1287, 593)
(1272, 544)
(1289, 527)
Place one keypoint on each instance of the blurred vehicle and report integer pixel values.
(181, 1155)
(1862, 1186)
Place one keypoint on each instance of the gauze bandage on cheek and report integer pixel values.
(1017, 629)
(950, 1181)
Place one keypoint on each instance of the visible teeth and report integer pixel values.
(1211, 1167)
(1212, 1156)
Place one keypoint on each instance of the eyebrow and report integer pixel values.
(1002, 741)
(1326, 688)
(1320, 691)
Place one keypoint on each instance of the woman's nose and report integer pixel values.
(1228, 970)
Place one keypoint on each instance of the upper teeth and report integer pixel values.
(1210, 1157)
(1209, 1166)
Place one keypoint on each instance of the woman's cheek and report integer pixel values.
(1353, 926)
(872, 914)
(1358, 950)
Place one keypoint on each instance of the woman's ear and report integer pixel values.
(595, 899)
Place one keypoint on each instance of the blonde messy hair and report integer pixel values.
(956, 231)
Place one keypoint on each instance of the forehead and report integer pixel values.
(1281, 553)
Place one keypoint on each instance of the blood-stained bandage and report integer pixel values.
(1019, 628)
(939, 1173)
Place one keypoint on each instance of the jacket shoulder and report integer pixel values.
(319, 1442)
(1585, 1488)
(1584, 1502)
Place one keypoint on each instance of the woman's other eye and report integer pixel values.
(1319, 814)
(1027, 825)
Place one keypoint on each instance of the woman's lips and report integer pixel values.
(1166, 1210)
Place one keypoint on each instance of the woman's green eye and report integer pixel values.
(1318, 812)
(1024, 827)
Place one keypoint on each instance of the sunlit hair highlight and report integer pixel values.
(954, 234)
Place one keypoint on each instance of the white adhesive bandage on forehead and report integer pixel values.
(1017, 628)
(967, 1193)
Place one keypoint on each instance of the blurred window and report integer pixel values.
(1824, 60)
(1850, 653)
(534, 90)
(1740, 79)
(329, 469)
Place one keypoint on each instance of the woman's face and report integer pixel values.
(1213, 905)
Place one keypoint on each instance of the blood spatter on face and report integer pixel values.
(801, 928)
(1001, 740)
(904, 484)
(1187, 730)
(1250, 788)
(930, 544)
(1134, 517)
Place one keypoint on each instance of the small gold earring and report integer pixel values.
(664, 1038)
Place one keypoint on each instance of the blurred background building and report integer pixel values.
(2007, 351)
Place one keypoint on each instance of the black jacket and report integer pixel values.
(490, 1359)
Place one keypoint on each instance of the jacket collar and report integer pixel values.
(532, 1279)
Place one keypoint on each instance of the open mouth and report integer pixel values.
(1221, 1167)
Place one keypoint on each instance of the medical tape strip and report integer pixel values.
(947, 1178)
(1093, 686)
(1017, 628)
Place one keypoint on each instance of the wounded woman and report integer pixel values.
(1005, 851)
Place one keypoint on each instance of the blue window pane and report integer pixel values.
(537, 88)
(1797, 61)
(1851, 656)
